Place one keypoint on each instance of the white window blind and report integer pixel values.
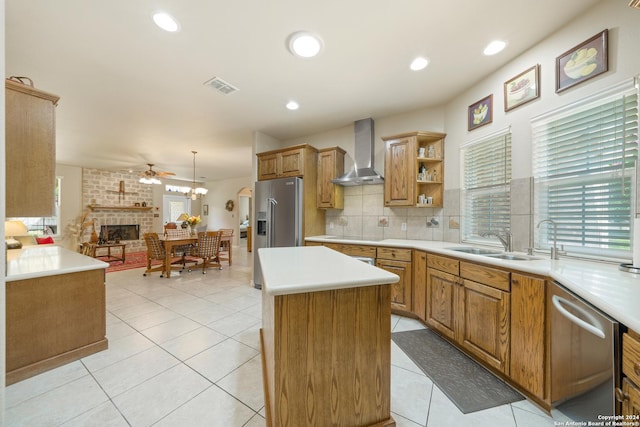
(584, 169)
(486, 186)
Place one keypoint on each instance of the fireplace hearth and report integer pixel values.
(116, 233)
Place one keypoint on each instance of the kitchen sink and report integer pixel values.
(475, 251)
(512, 257)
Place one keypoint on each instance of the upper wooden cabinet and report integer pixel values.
(287, 162)
(30, 150)
(414, 166)
(330, 166)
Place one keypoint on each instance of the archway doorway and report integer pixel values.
(244, 216)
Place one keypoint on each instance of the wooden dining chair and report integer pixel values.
(89, 249)
(226, 245)
(208, 250)
(183, 251)
(156, 252)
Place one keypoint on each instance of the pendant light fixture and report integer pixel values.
(196, 192)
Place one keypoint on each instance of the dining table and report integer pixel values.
(171, 242)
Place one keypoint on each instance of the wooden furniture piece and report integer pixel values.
(88, 249)
(119, 208)
(402, 185)
(30, 151)
(208, 249)
(170, 226)
(326, 348)
(330, 166)
(53, 320)
(109, 256)
(249, 238)
(162, 250)
(470, 304)
(182, 251)
(300, 161)
(226, 245)
(629, 395)
(397, 261)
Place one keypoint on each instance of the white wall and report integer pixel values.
(70, 199)
(219, 193)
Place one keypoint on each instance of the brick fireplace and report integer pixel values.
(112, 198)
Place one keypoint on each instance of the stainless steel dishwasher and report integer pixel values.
(585, 357)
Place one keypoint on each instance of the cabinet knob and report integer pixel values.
(514, 281)
(621, 396)
(636, 368)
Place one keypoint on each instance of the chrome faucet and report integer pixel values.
(554, 249)
(505, 238)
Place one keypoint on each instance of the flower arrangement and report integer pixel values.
(192, 220)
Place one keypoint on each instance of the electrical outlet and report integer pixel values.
(404, 226)
(331, 225)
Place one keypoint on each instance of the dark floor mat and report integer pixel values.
(465, 382)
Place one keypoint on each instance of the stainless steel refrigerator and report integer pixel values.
(278, 217)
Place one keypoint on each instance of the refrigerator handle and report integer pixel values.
(271, 202)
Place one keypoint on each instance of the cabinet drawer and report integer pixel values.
(359, 250)
(445, 264)
(499, 279)
(395, 254)
(631, 357)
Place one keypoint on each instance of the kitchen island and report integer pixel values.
(326, 339)
(55, 309)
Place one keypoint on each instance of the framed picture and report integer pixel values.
(583, 62)
(480, 113)
(205, 210)
(523, 88)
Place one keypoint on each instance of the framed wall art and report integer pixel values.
(480, 113)
(523, 88)
(205, 210)
(582, 62)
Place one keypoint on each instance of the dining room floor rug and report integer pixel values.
(132, 260)
(466, 383)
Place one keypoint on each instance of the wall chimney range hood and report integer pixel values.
(362, 172)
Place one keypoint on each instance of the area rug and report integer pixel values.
(465, 382)
(132, 260)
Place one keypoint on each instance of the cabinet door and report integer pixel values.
(528, 333)
(419, 266)
(400, 175)
(400, 291)
(267, 166)
(442, 302)
(631, 403)
(30, 151)
(330, 166)
(291, 163)
(484, 327)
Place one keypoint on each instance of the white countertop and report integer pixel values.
(602, 284)
(316, 268)
(47, 260)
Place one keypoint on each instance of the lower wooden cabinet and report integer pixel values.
(484, 326)
(631, 399)
(419, 267)
(400, 291)
(442, 302)
(528, 356)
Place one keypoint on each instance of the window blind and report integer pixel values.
(584, 174)
(486, 186)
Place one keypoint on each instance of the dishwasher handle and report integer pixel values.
(592, 328)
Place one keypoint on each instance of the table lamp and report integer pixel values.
(12, 229)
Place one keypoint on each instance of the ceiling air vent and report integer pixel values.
(221, 86)
(635, 3)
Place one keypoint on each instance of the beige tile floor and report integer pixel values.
(185, 352)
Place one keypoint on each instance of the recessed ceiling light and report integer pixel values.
(494, 47)
(419, 63)
(304, 44)
(292, 105)
(166, 22)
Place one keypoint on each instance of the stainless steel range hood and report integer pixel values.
(362, 172)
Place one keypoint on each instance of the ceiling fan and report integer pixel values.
(151, 177)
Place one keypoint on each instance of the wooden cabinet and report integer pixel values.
(398, 261)
(470, 304)
(419, 267)
(414, 166)
(30, 151)
(528, 356)
(330, 166)
(287, 162)
(629, 396)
